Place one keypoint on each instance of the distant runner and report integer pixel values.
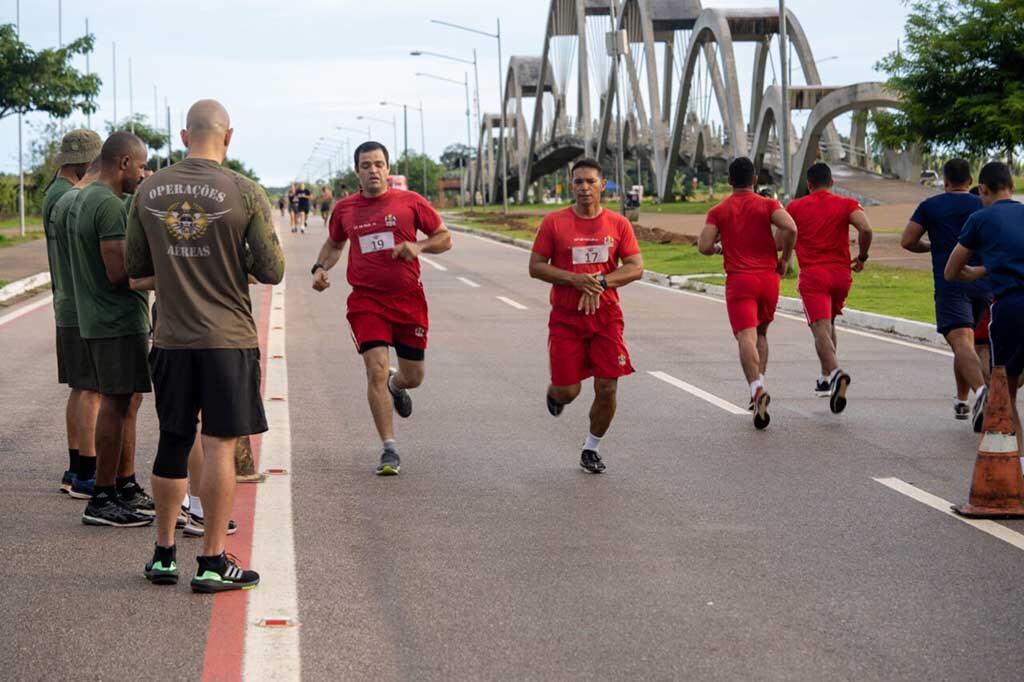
(293, 206)
(326, 203)
(303, 195)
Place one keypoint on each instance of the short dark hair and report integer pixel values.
(587, 162)
(996, 176)
(957, 171)
(120, 145)
(370, 146)
(741, 172)
(819, 175)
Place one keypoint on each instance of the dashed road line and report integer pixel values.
(514, 304)
(434, 264)
(468, 282)
(699, 392)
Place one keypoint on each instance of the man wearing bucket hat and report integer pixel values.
(77, 150)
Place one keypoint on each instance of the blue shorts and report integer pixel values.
(959, 305)
(1006, 332)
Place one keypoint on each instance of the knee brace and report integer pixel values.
(172, 455)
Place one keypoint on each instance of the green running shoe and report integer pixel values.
(222, 573)
(163, 568)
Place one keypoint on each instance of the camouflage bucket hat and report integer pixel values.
(79, 146)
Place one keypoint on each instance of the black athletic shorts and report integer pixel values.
(223, 383)
(74, 366)
(303, 205)
(120, 364)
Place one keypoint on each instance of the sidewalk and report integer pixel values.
(23, 260)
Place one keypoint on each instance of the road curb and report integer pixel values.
(20, 286)
(898, 327)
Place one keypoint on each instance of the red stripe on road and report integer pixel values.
(225, 639)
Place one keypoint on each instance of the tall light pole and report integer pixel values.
(393, 123)
(501, 100)
(617, 52)
(115, 82)
(88, 117)
(21, 160)
(784, 114)
(131, 99)
(156, 123)
(469, 138)
(423, 136)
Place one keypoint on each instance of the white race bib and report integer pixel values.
(379, 241)
(587, 255)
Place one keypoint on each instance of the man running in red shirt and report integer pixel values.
(387, 306)
(740, 228)
(578, 250)
(823, 220)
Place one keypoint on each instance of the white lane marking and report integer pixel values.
(493, 241)
(994, 529)
(798, 318)
(433, 264)
(699, 392)
(272, 653)
(514, 304)
(25, 310)
(468, 282)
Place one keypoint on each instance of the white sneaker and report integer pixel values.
(194, 526)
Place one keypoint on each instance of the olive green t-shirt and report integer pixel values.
(60, 265)
(64, 292)
(104, 310)
(201, 229)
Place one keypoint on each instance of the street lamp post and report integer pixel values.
(501, 100)
(21, 161)
(469, 137)
(784, 123)
(423, 137)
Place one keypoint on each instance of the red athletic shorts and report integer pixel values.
(824, 291)
(981, 331)
(751, 298)
(583, 346)
(398, 320)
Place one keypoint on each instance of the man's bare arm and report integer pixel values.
(911, 239)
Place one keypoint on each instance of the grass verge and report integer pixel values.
(18, 239)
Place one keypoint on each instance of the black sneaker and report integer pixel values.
(221, 574)
(591, 461)
(822, 389)
(82, 489)
(400, 397)
(182, 519)
(390, 463)
(961, 410)
(163, 567)
(66, 480)
(137, 499)
(837, 394)
(761, 417)
(103, 510)
(978, 410)
(554, 407)
(194, 526)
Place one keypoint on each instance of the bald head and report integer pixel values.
(207, 131)
(119, 146)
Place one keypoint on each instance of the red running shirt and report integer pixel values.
(592, 245)
(377, 225)
(823, 228)
(744, 221)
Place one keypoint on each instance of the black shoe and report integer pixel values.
(400, 397)
(194, 526)
(837, 392)
(761, 417)
(591, 461)
(66, 480)
(978, 410)
(221, 574)
(822, 389)
(163, 568)
(554, 407)
(137, 499)
(103, 510)
(390, 463)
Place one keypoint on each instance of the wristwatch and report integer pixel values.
(863, 259)
(603, 281)
(316, 266)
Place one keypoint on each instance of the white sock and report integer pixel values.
(389, 444)
(822, 378)
(754, 385)
(832, 375)
(957, 401)
(195, 505)
(592, 443)
(185, 501)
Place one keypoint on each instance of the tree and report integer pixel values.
(415, 177)
(45, 80)
(239, 167)
(961, 76)
(454, 153)
(154, 138)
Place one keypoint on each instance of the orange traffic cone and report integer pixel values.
(997, 491)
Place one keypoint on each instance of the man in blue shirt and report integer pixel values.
(996, 234)
(959, 306)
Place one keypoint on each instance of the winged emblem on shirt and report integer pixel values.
(185, 220)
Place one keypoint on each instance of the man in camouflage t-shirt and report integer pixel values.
(201, 230)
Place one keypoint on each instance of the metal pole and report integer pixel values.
(423, 144)
(88, 117)
(115, 85)
(621, 156)
(405, 125)
(784, 123)
(131, 99)
(170, 150)
(21, 167)
(476, 79)
(60, 23)
(501, 133)
(156, 122)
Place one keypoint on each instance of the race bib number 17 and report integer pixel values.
(379, 241)
(586, 255)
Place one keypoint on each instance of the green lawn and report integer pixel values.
(31, 222)
(3, 283)
(680, 208)
(11, 241)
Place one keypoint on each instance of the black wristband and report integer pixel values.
(313, 270)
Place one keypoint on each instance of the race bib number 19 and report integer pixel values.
(586, 255)
(379, 241)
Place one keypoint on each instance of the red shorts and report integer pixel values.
(751, 298)
(981, 331)
(398, 320)
(583, 346)
(824, 291)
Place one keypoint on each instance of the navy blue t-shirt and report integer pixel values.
(996, 234)
(943, 217)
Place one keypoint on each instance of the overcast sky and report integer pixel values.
(290, 72)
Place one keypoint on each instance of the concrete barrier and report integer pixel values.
(20, 286)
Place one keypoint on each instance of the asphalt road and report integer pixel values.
(707, 551)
